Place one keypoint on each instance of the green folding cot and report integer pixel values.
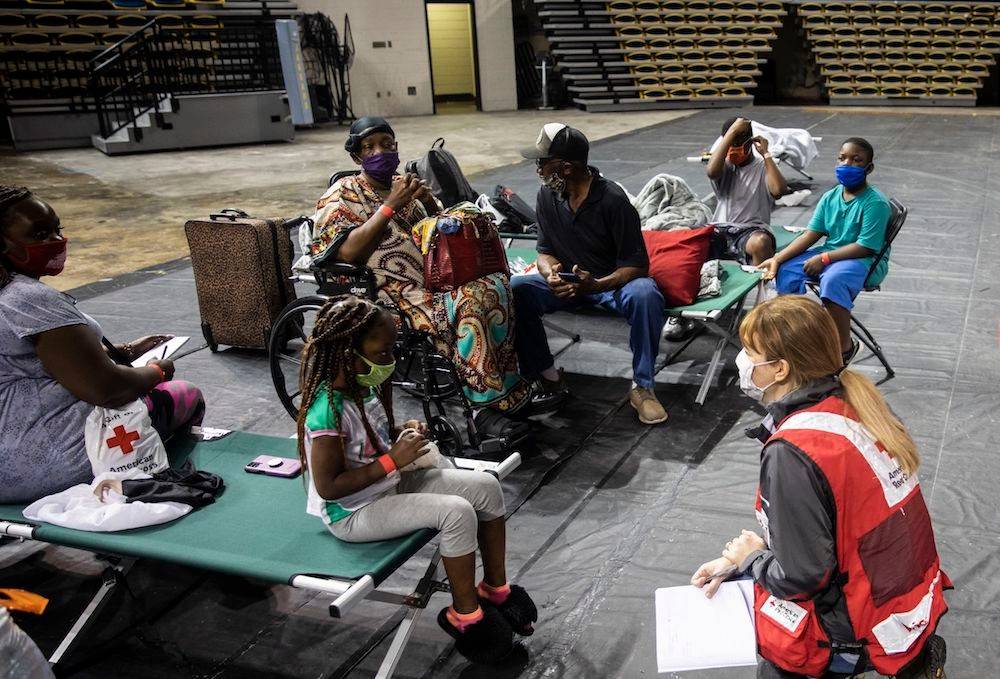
(258, 528)
(718, 315)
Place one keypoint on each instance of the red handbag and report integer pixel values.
(465, 246)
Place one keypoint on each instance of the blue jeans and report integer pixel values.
(839, 283)
(639, 301)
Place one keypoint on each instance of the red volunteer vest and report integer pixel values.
(886, 557)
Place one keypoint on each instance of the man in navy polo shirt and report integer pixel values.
(590, 252)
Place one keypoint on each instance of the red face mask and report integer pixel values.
(737, 155)
(38, 259)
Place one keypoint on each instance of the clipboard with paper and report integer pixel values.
(694, 632)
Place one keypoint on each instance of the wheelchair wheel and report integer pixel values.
(446, 435)
(288, 337)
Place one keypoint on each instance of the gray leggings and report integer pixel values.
(452, 501)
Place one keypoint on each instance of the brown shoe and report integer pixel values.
(647, 405)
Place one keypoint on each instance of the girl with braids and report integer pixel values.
(847, 577)
(346, 433)
(53, 367)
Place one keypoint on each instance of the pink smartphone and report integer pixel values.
(285, 467)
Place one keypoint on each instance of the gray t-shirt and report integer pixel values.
(743, 195)
(42, 450)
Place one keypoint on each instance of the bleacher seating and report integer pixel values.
(46, 45)
(917, 53)
(638, 54)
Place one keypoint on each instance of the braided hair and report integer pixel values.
(9, 196)
(341, 326)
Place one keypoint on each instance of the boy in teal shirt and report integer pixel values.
(853, 217)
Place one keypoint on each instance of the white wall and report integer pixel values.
(495, 35)
(380, 76)
(450, 29)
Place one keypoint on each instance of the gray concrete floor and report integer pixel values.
(607, 510)
(133, 208)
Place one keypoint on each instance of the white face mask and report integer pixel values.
(745, 365)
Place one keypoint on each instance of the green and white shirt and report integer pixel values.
(337, 415)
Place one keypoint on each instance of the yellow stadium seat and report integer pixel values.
(170, 21)
(86, 21)
(648, 18)
(638, 57)
(621, 6)
(648, 81)
(647, 5)
(51, 21)
(30, 39)
(657, 31)
(634, 43)
(672, 80)
(77, 38)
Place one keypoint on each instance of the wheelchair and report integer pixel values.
(421, 370)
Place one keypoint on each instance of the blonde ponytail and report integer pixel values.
(800, 331)
(874, 413)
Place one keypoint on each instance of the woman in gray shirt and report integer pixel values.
(53, 367)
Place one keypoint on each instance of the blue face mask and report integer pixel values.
(850, 175)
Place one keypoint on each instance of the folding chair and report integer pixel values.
(858, 329)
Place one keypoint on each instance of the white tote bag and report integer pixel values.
(122, 441)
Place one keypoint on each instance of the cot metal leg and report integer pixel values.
(713, 368)
(112, 576)
(426, 588)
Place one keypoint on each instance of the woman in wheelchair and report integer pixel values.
(362, 486)
(367, 219)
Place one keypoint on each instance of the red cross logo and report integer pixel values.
(123, 439)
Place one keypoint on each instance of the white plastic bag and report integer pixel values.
(484, 204)
(20, 657)
(122, 441)
(432, 459)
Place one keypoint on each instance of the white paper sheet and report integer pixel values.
(694, 633)
(157, 352)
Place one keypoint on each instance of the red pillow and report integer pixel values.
(675, 261)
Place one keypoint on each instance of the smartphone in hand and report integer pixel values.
(569, 277)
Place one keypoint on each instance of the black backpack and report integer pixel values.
(519, 217)
(441, 171)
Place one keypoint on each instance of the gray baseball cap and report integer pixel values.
(557, 140)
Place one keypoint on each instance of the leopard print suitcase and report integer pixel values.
(241, 273)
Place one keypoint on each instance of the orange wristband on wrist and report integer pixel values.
(387, 464)
(825, 258)
(387, 211)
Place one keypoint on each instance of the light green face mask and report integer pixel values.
(377, 373)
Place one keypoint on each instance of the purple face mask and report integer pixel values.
(381, 166)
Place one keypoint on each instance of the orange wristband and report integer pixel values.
(387, 464)
(825, 258)
(163, 375)
(387, 211)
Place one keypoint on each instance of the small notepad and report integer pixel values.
(695, 633)
(165, 350)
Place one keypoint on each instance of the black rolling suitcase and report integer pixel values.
(241, 268)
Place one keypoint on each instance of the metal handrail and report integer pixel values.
(127, 38)
(126, 80)
(133, 76)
